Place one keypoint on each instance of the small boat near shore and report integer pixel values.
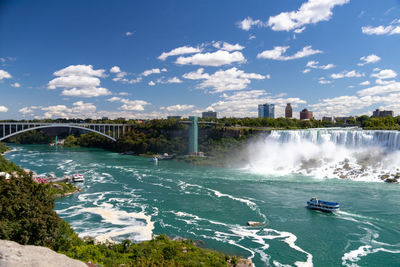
(322, 205)
(77, 178)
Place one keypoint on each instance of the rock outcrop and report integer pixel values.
(13, 254)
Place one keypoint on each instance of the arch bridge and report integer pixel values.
(110, 131)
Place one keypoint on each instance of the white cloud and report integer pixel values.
(151, 83)
(384, 74)
(322, 80)
(174, 80)
(123, 93)
(135, 105)
(245, 103)
(251, 37)
(365, 83)
(315, 65)
(227, 46)
(177, 108)
(381, 89)
(306, 70)
(3, 109)
(79, 80)
(223, 80)
(128, 33)
(179, 51)
(391, 29)
(369, 59)
(215, 59)
(79, 70)
(347, 74)
(115, 69)
(86, 92)
(152, 71)
(248, 23)
(26, 110)
(4, 75)
(310, 12)
(278, 53)
(16, 85)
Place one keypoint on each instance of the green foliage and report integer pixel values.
(160, 251)
(384, 123)
(26, 212)
(31, 137)
(6, 166)
(71, 141)
(3, 148)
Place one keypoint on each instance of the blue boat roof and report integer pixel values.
(326, 202)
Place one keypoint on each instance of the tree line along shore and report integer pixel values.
(222, 143)
(27, 217)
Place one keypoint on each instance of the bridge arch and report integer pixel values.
(57, 126)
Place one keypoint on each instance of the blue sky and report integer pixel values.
(150, 59)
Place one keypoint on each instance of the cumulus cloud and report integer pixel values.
(79, 80)
(347, 74)
(183, 50)
(115, 69)
(136, 105)
(4, 75)
(245, 103)
(26, 110)
(278, 53)
(79, 70)
(16, 85)
(227, 46)
(315, 65)
(391, 87)
(365, 83)
(3, 109)
(86, 92)
(177, 108)
(368, 60)
(151, 83)
(152, 71)
(174, 80)
(128, 33)
(393, 28)
(322, 80)
(223, 80)
(310, 12)
(218, 58)
(248, 23)
(384, 74)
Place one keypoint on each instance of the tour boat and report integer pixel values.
(77, 177)
(322, 205)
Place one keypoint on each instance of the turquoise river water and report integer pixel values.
(130, 197)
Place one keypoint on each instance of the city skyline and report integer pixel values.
(91, 59)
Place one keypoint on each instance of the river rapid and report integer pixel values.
(130, 197)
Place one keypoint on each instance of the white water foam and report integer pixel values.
(369, 245)
(334, 153)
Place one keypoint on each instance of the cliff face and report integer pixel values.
(13, 254)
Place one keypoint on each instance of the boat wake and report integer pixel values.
(335, 153)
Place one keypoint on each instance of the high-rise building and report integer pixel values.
(306, 115)
(288, 111)
(209, 114)
(382, 113)
(266, 111)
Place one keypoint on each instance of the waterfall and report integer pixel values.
(351, 138)
(328, 153)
